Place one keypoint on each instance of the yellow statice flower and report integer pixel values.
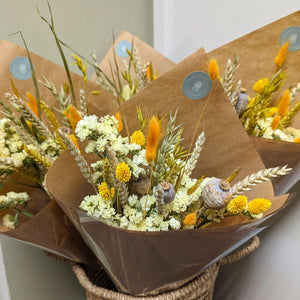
(190, 219)
(105, 192)
(138, 137)
(123, 173)
(258, 206)
(237, 205)
(259, 85)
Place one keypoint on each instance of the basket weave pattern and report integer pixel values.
(98, 285)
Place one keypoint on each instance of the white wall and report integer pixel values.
(181, 27)
(84, 25)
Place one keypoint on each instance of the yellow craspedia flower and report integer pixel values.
(237, 205)
(123, 173)
(213, 69)
(258, 206)
(105, 192)
(138, 137)
(190, 219)
(259, 85)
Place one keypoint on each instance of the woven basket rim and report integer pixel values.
(205, 280)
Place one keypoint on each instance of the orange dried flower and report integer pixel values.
(213, 69)
(72, 114)
(279, 59)
(275, 122)
(283, 105)
(72, 137)
(32, 103)
(297, 140)
(190, 219)
(120, 123)
(153, 138)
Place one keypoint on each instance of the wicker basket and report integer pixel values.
(98, 285)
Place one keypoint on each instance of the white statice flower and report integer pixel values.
(101, 144)
(91, 147)
(132, 200)
(86, 127)
(9, 221)
(124, 222)
(137, 163)
(97, 207)
(292, 133)
(279, 135)
(134, 216)
(18, 159)
(89, 204)
(16, 197)
(174, 224)
(50, 147)
(180, 203)
(150, 199)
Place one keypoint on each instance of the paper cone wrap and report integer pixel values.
(147, 54)
(258, 50)
(49, 229)
(142, 263)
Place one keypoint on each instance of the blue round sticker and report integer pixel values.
(197, 85)
(293, 35)
(121, 48)
(20, 68)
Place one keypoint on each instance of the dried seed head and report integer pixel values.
(216, 193)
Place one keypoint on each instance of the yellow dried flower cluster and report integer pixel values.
(258, 206)
(105, 192)
(259, 85)
(123, 173)
(237, 205)
(138, 137)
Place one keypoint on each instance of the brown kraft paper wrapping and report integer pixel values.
(258, 50)
(143, 263)
(49, 229)
(147, 54)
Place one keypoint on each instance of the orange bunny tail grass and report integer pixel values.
(32, 103)
(72, 114)
(120, 123)
(297, 140)
(275, 122)
(72, 137)
(213, 69)
(279, 59)
(283, 106)
(153, 138)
